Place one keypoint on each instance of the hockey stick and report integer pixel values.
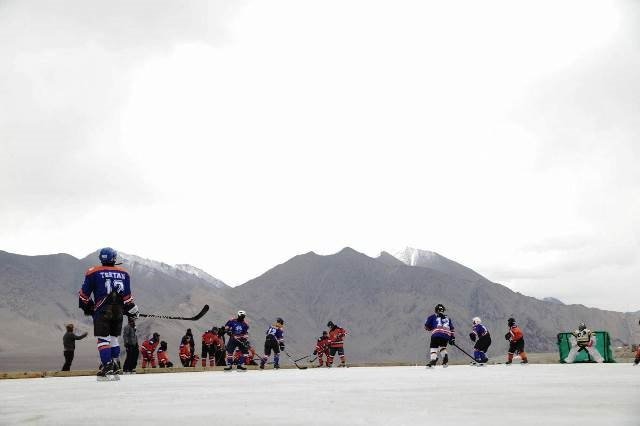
(300, 367)
(193, 318)
(464, 352)
(304, 357)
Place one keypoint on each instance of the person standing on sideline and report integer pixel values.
(238, 331)
(210, 344)
(131, 345)
(69, 344)
(637, 360)
(583, 339)
(273, 342)
(482, 338)
(442, 333)
(111, 289)
(516, 342)
(336, 344)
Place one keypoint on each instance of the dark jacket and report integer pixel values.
(69, 340)
(129, 335)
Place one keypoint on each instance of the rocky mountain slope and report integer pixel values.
(382, 301)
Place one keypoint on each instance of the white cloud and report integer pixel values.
(236, 136)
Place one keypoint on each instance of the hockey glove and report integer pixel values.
(472, 336)
(88, 308)
(315, 352)
(282, 346)
(133, 311)
(507, 336)
(452, 341)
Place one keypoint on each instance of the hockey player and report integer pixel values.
(237, 330)
(110, 287)
(187, 358)
(442, 333)
(322, 348)
(583, 339)
(274, 341)
(210, 344)
(480, 335)
(163, 356)
(336, 344)
(147, 350)
(516, 342)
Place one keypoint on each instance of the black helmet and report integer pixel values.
(280, 320)
(163, 345)
(582, 326)
(330, 324)
(155, 336)
(439, 309)
(511, 322)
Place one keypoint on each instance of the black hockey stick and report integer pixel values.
(300, 367)
(464, 352)
(193, 318)
(304, 357)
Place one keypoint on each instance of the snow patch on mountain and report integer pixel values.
(176, 271)
(414, 257)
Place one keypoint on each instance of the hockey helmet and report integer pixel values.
(280, 321)
(476, 321)
(241, 314)
(108, 256)
(330, 324)
(163, 345)
(511, 322)
(439, 309)
(324, 333)
(582, 326)
(155, 336)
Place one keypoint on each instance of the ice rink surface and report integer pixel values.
(582, 394)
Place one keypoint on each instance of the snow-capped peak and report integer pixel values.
(412, 256)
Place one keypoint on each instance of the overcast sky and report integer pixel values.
(235, 135)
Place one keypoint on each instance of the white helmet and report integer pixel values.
(476, 321)
(241, 313)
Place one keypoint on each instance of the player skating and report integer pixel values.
(237, 330)
(336, 344)
(274, 341)
(111, 290)
(482, 338)
(322, 348)
(583, 339)
(442, 333)
(516, 342)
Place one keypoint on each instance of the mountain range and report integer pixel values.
(382, 301)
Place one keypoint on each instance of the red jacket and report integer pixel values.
(148, 347)
(185, 351)
(322, 345)
(336, 337)
(516, 334)
(209, 338)
(163, 357)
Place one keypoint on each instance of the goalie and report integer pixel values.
(583, 339)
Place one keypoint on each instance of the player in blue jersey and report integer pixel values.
(442, 333)
(482, 338)
(238, 331)
(273, 342)
(111, 290)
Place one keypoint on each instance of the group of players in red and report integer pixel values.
(213, 349)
